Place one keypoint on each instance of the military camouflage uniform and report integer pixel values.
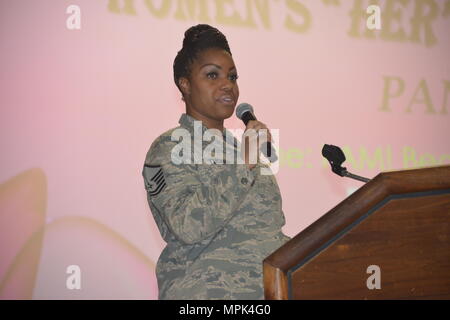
(219, 221)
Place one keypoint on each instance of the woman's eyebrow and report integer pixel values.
(213, 64)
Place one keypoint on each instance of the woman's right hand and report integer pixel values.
(252, 141)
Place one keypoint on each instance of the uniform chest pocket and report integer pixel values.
(214, 174)
(267, 191)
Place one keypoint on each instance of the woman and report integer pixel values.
(220, 220)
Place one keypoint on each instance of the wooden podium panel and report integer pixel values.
(399, 222)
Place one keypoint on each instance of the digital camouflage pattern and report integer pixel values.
(219, 221)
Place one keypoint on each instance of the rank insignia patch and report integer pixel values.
(154, 179)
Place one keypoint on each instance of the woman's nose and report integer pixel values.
(227, 84)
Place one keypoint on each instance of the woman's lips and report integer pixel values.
(226, 100)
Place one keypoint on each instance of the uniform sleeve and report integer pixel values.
(196, 201)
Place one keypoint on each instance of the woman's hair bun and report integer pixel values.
(201, 33)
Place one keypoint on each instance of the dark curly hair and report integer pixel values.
(196, 39)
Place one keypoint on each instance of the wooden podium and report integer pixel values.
(398, 222)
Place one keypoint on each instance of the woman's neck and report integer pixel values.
(207, 122)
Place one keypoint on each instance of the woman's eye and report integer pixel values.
(214, 75)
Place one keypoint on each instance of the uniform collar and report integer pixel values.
(187, 122)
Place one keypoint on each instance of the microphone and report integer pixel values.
(244, 111)
(336, 157)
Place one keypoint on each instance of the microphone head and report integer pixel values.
(243, 108)
(333, 154)
(335, 157)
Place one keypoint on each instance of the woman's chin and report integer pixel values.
(226, 115)
(226, 111)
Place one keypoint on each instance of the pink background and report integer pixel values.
(80, 108)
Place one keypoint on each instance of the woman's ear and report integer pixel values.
(185, 86)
